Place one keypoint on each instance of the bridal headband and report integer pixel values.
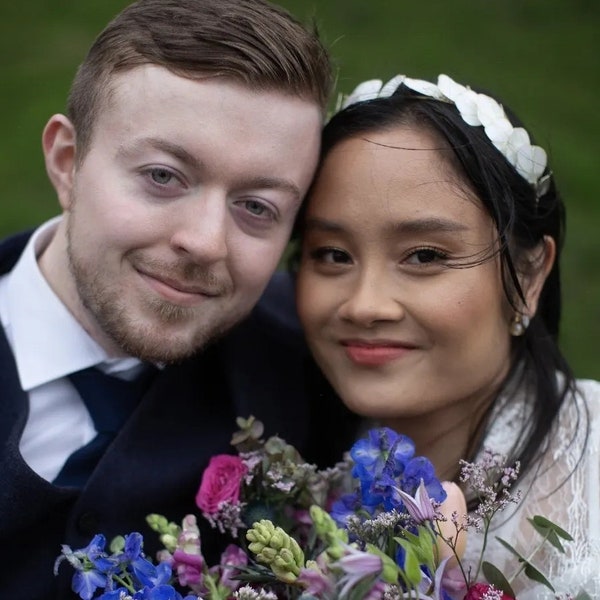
(477, 110)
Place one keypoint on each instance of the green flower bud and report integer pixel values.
(274, 547)
(267, 555)
(261, 532)
(328, 531)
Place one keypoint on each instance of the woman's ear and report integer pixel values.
(537, 265)
(58, 143)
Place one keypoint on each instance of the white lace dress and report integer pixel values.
(563, 490)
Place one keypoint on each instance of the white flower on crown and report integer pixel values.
(476, 110)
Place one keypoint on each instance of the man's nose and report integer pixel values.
(202, 229)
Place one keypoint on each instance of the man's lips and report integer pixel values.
(375, 352)
(184, 293)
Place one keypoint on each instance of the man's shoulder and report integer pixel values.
(274, 318)
(11, 249)
(276, 309)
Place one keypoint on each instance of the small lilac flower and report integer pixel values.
(376, 592)
(357, 565)
(315, 582)
(420, 507)
(232, 558)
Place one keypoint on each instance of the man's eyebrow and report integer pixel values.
(175, 150)
(422, 225)
(273, 183)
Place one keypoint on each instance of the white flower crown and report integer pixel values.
(476, 110)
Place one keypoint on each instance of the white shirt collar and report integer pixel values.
(47, 341)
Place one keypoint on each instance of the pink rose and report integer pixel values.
(478, 592)
(221, 482)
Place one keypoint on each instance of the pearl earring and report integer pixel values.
(519, 324)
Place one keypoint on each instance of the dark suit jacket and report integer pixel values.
(156, 461)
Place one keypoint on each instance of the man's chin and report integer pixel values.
(170, 345)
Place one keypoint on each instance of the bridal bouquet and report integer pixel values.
(377, 526)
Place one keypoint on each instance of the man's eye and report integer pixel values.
(161, 176)
(256, 208)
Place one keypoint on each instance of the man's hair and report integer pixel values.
(252, 42)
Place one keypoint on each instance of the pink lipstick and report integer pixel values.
(374, 354)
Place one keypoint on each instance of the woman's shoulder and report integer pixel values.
(588, 395)
(589, 389)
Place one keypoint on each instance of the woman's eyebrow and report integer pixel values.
(422, 225)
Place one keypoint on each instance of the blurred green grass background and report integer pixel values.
(542, 57)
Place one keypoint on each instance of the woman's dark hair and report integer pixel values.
(522, 221)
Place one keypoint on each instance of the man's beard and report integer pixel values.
(137, 336)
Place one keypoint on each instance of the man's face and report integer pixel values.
(181, 209)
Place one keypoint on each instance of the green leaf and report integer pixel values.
(412, 567)
(536, 575)
(512, 550)
(583, 596)
(496, 578)
(549, 534)
(547, 524)
(408, 536)
(361, 589)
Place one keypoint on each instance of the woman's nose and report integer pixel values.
(374, 298)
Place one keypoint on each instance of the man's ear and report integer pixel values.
(537, 266)
(58, 143)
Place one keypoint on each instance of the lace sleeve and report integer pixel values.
(565, 488)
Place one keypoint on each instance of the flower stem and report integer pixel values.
(528, 558)
(125, 582)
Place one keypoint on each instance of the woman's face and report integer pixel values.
(396, 329)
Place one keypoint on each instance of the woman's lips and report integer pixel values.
(375, 353)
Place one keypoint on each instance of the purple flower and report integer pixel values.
(232, 557)
(188, 567)
(316, 583)
(357, 565)
(419, 507)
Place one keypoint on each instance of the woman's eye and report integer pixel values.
(331, 256)
(161, 176)
(424, 256)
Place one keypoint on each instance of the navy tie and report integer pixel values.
(110, 401)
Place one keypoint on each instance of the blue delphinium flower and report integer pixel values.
(161, 592)
(381, 447)
(385, 461)
(344, 507)
(93, 567)
(148, 574)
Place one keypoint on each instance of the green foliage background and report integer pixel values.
(542, 57)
